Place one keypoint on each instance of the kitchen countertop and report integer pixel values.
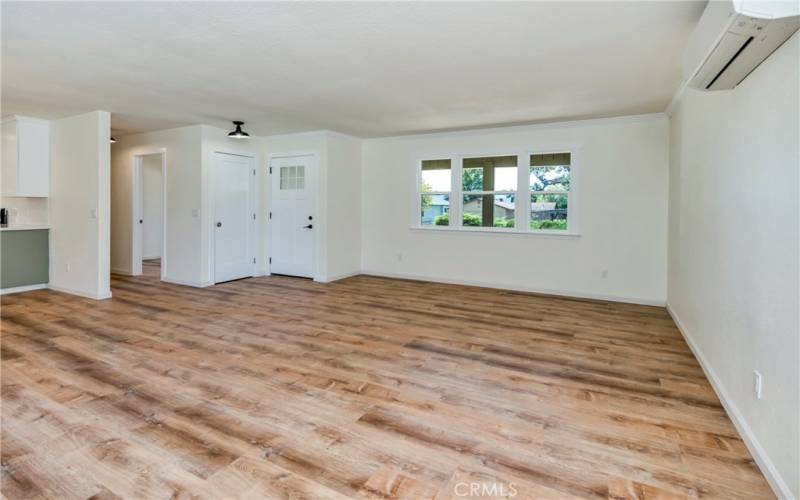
(24, 227)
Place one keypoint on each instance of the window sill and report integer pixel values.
(486, 230)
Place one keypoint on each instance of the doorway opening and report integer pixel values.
(149, 215)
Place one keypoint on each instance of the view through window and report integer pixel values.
(490, 195)
(549, 184)
(489, 188)
(435, 185)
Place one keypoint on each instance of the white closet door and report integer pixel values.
(233, 217)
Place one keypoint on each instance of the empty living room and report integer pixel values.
(400, 250)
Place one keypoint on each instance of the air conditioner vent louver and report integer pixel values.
(744, 46)
(734, 37)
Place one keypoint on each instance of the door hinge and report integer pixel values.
(270, 170)
(254, 260)
(270, 260)
(270, 215)
(254, 216)
(254, 171)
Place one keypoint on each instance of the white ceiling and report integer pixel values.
(368, 69)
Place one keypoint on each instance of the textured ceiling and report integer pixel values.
(368, 69)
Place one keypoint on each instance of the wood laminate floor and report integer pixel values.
(363, 388)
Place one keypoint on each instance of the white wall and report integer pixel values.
(622, 209)
(152, 207)
(315, 143)
(734, 251)
(189, 152)
(79, 204)
(121, 213)
(343, 206)
(216, 140)
(183, 261)
(338, 221)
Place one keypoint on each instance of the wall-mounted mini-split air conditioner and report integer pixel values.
(733, 37)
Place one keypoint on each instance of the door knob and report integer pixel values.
(308, 226)
(140, 221)
(219, 224)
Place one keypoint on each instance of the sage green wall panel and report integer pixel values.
(24, 258)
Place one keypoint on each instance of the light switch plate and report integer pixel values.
(757, 384)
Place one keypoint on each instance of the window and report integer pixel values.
(519, 193)
(293, 177)
(489, 187)
(550, 176)
(434, 192)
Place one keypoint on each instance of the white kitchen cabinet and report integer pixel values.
(26, 157)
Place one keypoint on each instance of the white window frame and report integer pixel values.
(491, 228)
(418, 193)
(522, 209)
(572, 225)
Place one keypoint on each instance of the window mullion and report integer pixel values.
(570, 218)
(521, 207)
(456, 200)
(417, 217)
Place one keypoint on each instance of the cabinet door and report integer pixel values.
(33, 158)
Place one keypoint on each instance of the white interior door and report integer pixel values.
(234, 227)
(293, 215)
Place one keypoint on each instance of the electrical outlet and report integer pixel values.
(757, 384)
(66, 267)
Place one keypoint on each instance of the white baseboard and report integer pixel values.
(118, 270)
(195, 284)
(81, 293)
(544, 291)
(152, 258)
(20, 289)
(338, 277)
(768, 468)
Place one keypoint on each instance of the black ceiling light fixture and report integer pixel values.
(238, 133)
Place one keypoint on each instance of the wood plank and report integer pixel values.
(367, 387)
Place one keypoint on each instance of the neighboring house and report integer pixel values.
(439, 205)
(505, 209)
(547, 211)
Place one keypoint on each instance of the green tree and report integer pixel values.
(472, 179)
(555, 178)
(549, 224)
(471, 220)
(550, 178)
(559, 199)
(427, 200)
